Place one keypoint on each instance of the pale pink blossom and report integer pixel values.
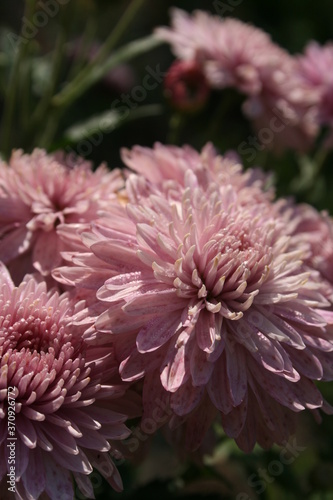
(236, 54)
(315, 229)
(162, 163)
(231, 52)
(315, 69)
(284, 113)
(65, 399)
(207, 300)
(315, 65)
(38, 194)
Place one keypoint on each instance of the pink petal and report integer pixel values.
(153, 302)
(115, 321)
(306, 363)
(157, 332)
(248, 435)
(201, 368)
(104, 464)
(276, 328)
(84, 485)
(34, 477)
(205, 331)
(218, 387)
(26, 431)
(299, 313)
(156, 400)
(58, 481)
(63, 438)
(234, 421)
(94, 441)
(237, 376)
(175, 370)
(186, 398)
(5, 277)
(198, 424)
(325, 359)
(137, 365)
(290, 394)
(15, 244)
(150, 236)
(76, 463)
(46, 253)
(118, 255)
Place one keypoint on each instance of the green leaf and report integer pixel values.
(108, 121)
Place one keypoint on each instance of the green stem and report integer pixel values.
(310, 169)
(26, 75)
(45, 102)
(125, 53)
(85, 44)
(220, 112)
(175, 126)
(85, 78)
(10, 98)
(319, 160)
(48, 132)
(120, 28)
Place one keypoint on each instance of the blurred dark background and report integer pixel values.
(290, 24)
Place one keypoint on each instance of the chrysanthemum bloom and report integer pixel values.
(284, 113)
(157, 165)
(316, 230)
(231, 52)
(314, 67)
(238, 55)
(211, 307)
(63, 397)
(39, 192)
(162, 163)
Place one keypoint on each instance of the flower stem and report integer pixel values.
(86, 41)
(49, 131)
(175, 127)
(45, 102)
(10, 97)
(92, 71)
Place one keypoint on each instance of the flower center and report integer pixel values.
(41, 334)
(224, 273)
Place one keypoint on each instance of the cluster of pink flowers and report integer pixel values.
(68, 395)
(42, 195)
(292, 95)
(188, 287)
(179, 284)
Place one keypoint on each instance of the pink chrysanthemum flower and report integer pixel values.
(162, 163)
(284, 113)
(211, 306)
(316, 63)
(316, 230)
(235, 54)
(315, 68)
(231, 52)
(62, 420)
(39, 193)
